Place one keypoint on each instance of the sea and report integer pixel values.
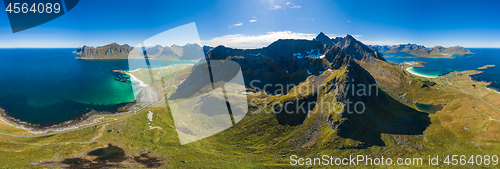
(442, 66)
(44, 87)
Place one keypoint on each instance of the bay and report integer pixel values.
(442, 66)
(49, 86)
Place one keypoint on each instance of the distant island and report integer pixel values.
(111, 51)
(422, 51)
(486, 67)
(158, 52)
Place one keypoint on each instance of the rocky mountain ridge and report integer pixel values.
(312, 63)
(351, 46)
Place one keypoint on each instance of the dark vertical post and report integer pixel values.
(147, 63)
(223, 91)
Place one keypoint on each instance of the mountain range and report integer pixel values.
(422, 51)
(335, 63)
(351, 46)
(116, 51)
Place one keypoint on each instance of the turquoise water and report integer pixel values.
(424, 72)
(429, 108)
(50, 86)
(442, 66)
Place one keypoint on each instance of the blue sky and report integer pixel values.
(256, 23)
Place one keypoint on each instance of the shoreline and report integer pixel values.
(83, 119)
(418, 74)
(163, 67)
(135, 79)
(470, 78)
(487, 83)
(87, 119)
(492, 89)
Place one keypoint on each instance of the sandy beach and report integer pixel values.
(418, 74)
(493, 90)
(164, 67)
(135, 79)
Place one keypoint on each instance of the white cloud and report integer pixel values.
(253, 20)
(293, 6)
(276, 7)
(287, 5)
(257, 41)
(235, 25)
(349, 21)
(332, 35)
(305, 19)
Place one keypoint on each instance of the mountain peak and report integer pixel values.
(324, 39)
(321, 34)
(349, 37)
(357, 49)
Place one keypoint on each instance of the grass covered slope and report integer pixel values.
(391, 79)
